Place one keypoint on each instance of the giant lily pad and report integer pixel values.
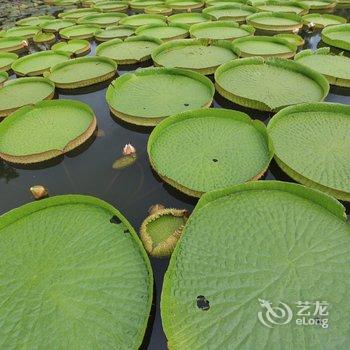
(209, 149)
(185, 5)
(75, 14)
(282, 6)
(6, 60)
(270, 84)
(164, 31)
(12, 44)
(200, 55)
(39, 62)
(25, 32)
(111, 6)
(220, 30)
(264, 46)
(81, 72)
(140, 5)
(319, 5)
(275, 21)
(80, 31)
(159, 9)
(143, 19)
(131, 50)
(56, 25)
(255, 247)
(20, 92)
(114, 32)
(312, 145)
(45, 130)
(338, 36)
(336, 68)
(44, 38)
(103, 19)
(235, 12)
(78, 47)
(135, 97)
(323, 20)
(34, 20)
(90, 277)
(189, 18)
(291, 38)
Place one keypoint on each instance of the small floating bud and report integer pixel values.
(129, 149)
(296, 31)
(25, 43)
(39, 192)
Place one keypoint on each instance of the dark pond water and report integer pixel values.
(132, 190)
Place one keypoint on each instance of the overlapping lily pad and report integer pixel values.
(45, 130)
(6, 60)
(114, 32)
(25, 32)
(252, 247)
(223, 148)
(143, 19)
(159, 9)
(200, 55)
(20, 92)
(77, 47)
(189, 18)
(111, 6)
(3, 77)
(185, 5)
(292, 38)
(235, 12)
(220, 30)
(270, 84)
(319, 5)
(80, 31)
(164, 31)
(336, 68)
(56, 25)
(102, 19)
(59, 254)
(338, 36)
(264, 46)
(148, 95)
(312, 146)
(75, 14)
(81, 72)
(130, 51)
(275, 22)
(12, 44)
(39, 62)
(282, 6)
(323, 20)
(44, 38)
(34, 20)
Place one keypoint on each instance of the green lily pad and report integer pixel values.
(253, 245)
(114, 32)
(134, 97)
(90, 277)
(159, 9)
(291, 38)
(111, 6)
(264, 46)
(44, 38)
(235, 12)
(323, 20)
(25, 32)
(3, 77)
(6, 60)
(20, 92)
(200, 55)
(185, 5)
(12, 44)
(56, 25)
(205, 150)
(45, 130)
(81, 72)
(189, 18)
(143, 19)
(282, 6)
(131, 50)
(312, 146)
(220, 30)
(103, 19)
(164, 31)
(271, 84)
(140, 5)
(78, 47)
(319, 5)
(209, 3)
(34, 20)
(78, 13)
(337, 36)
(39, 62)
(80, 31)
(336, 68)
(275, 22)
